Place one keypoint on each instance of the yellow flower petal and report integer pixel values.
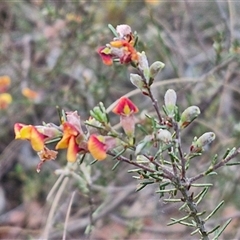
(72, 150)
(25, 132)
(37, 140)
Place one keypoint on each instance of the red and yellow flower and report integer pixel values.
(30, 94)
(5, 82)
(105, 54)
(121, 48)
(30, 132)
(127, 54)
(73, 138)
(98, 146)
(5, 100)
(126, 109)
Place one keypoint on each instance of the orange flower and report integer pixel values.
(5, 100)
(97, 147)
(70, 140)
(30, 94)
(5, 82)
(127, 54)
(29, 132)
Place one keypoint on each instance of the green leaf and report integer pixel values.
(222, 229)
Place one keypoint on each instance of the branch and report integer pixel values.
(215, 167)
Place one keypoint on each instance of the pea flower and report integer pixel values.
(98, 146)
(31, 133)
(5, 100)
(126, 109)
(124, 50)
(5, 82)
(105, 54)
(30, 94)
(121, 48)
(73, 138)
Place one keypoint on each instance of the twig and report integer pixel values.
(110, 205)
(124, 159)
(179, 145)
(193, 212)
(215, 167)
(67, 216)
(53, 208)
(154, 101)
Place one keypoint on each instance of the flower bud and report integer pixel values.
(143, 65)
(189, 115)
(164, 136)
(123, 30)
(170, 99)
(199, 144)
(99, 113)
(155, 68)
(137, 81)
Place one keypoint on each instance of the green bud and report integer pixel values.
(155, 68)
(99, 113)
(170, 99)
(199, 144)
(164, 136)
(189, 115)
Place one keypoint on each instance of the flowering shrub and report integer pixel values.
(154, 148)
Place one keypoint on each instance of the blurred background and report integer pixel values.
(48, 58)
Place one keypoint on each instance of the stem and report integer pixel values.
(155, 105)
(166, 173)
(179, 145)
(193, 211)
(216, 166)
(124, 159)
(154, 101)
(90, 201)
